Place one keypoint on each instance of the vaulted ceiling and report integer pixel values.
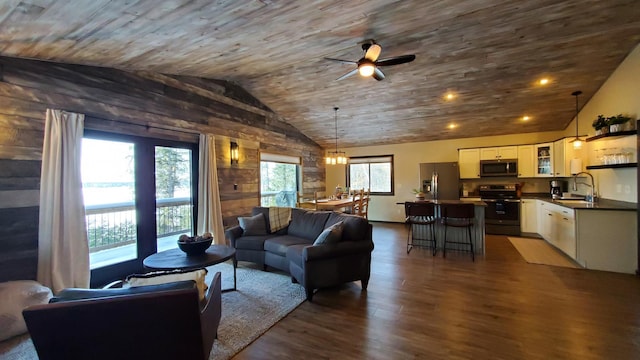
(489, 53)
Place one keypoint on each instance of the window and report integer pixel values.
(139, 196)
(371, 172)
(279, 180)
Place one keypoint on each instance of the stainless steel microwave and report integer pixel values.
(505, 167)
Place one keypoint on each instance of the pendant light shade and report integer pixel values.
(336, 157)
(577, 142)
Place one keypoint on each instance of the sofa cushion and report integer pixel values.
(294, 254)
(253, 225)
(279, 244)
(307, 224)
(15, 296)
(163, 277)
(330, 235)
(354, 228)
(252, 242)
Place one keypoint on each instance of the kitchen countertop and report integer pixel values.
(437, 202)
(600, 204)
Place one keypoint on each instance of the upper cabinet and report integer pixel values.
(543, 159)
(563, 152)
(526, 167)
(469, 163)
(498, 153)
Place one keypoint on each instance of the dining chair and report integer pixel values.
(364, 205)
(306, 201)
(458, 216)
(421, 217)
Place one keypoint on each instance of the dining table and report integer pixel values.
(333, 204)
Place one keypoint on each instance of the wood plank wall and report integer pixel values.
(140, 103)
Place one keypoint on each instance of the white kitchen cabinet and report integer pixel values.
(543, 159)
(499, 153)
(469, 163)
(526, 167)
(556, 225)
(566, 231)
(528, 216)
(563, 152)
(542, 221)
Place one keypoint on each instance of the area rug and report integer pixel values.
(538, 251)
(261, 300)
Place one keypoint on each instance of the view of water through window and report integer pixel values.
(108, 178)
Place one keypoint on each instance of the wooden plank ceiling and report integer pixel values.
(490, 53)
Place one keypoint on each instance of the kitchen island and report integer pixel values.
(456, 234)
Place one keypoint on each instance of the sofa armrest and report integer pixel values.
(71, 294)
(233, 233)
(319, 252)
(211, 313)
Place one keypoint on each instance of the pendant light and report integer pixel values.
(336, 157)
(577, 142)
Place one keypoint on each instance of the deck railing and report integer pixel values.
(286, 198)
(113, 225)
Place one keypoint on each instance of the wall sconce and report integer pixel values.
(234, 153)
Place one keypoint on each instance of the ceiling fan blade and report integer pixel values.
(373, 52)
(377, 74)
(343, 61)
(350, 73)
(396, 60)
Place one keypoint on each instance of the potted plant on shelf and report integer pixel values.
(617, 123)
(419, 194)
(601, 125)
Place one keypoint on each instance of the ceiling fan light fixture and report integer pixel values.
(366, 69)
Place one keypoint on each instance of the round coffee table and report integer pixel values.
(177, 259)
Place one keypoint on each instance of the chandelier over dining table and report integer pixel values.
(336, 157)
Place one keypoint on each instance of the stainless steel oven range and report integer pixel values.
(502, 215)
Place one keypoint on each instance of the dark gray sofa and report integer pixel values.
(314, 266)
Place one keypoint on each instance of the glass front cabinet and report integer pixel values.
(544, 160)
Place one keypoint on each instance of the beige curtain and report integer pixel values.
(209, 209)
(63, 249)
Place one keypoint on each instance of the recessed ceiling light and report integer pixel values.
(543, 81)
(452, 126)
(449, 96)
(526, 118)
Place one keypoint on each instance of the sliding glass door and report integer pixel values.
(174, 202)
(140, 195)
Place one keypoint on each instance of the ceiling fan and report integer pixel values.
(369, 63)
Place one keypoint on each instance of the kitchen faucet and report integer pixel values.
(591, 197)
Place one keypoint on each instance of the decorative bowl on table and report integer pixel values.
(195, 245)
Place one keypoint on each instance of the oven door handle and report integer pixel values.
(512, 200)
(489, 200)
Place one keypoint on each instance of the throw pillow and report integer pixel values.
(163, 277)
(16, 296)
(253, 225)
(330, 235)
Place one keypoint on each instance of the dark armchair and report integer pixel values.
(164, 321)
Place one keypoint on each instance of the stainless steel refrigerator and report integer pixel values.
(440, 181)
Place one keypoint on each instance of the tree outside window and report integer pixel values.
(279, 181)
(371, 172)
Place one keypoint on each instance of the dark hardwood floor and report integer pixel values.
(498, 307)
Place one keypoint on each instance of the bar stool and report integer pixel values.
(459, 216)
(422, 213)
